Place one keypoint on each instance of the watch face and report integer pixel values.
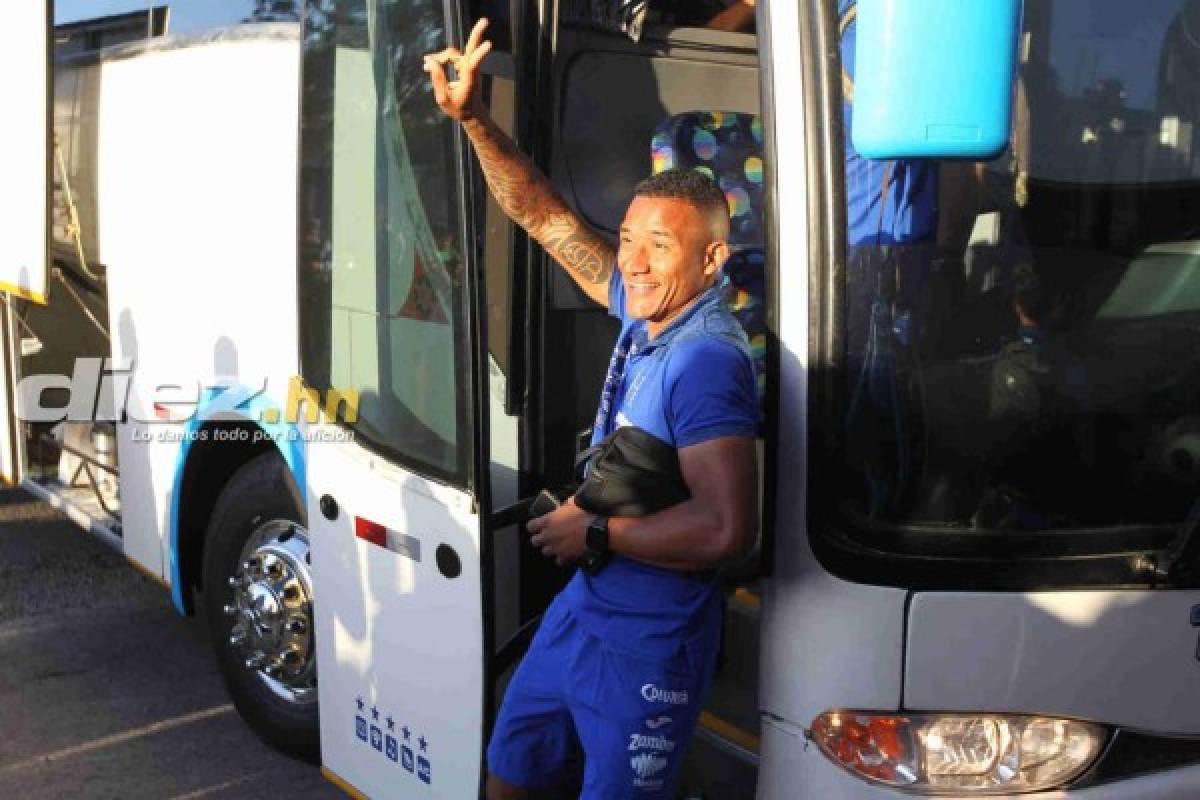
(597, 536)
(596, 542)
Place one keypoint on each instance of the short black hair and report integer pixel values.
(690, 185)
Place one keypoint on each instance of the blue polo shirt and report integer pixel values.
(692, 383)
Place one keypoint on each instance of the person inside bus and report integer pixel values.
(625, 653)
(908, 224)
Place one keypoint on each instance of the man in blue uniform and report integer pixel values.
(625, 654)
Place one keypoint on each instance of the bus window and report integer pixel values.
(382, 303)
(1039, 374)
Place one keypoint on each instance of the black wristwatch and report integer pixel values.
(596, 552)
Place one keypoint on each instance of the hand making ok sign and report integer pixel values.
(459, 98)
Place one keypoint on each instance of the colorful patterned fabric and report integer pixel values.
(727, 147)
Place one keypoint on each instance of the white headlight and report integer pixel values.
(975, 753)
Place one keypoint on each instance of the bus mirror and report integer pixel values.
(934, 78)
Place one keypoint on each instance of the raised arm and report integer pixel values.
(522, 191)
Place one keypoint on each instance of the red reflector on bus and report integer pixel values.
(161, 411)
(373, 532)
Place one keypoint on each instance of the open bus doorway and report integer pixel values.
(607, 112)
(65, 345)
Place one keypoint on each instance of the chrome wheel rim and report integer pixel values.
(272, 611)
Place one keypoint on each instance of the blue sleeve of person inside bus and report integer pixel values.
(909, 212)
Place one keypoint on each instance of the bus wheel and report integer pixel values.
(258, 598)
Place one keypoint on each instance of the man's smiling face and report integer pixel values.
(669, 254)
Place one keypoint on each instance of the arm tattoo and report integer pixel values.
(576, 247)
(527, 197)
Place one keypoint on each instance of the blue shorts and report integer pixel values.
(631, 717)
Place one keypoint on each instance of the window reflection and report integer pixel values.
(380, 256)
(1043, 373)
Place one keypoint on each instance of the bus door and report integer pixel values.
(25, 201)
(395, 485)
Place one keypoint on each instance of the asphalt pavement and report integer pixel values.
(106, 692)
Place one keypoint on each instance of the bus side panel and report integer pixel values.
(829, 644)
(25, 165)
(197, 218)
(23, 160)
(1116, 657)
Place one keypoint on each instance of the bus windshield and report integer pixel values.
(1021, 347)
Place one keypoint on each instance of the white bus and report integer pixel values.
(977, 572)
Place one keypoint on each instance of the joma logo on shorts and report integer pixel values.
(640, 741)
(675, 697)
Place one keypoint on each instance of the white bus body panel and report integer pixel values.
(1116, 657)
(829, 644)
(24, 96)
(25, 167)
(400, 644)
(197, 228)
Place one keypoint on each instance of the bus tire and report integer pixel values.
(258, 601)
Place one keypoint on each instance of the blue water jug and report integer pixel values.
(934, 78)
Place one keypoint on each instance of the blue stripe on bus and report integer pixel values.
(286, 437)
